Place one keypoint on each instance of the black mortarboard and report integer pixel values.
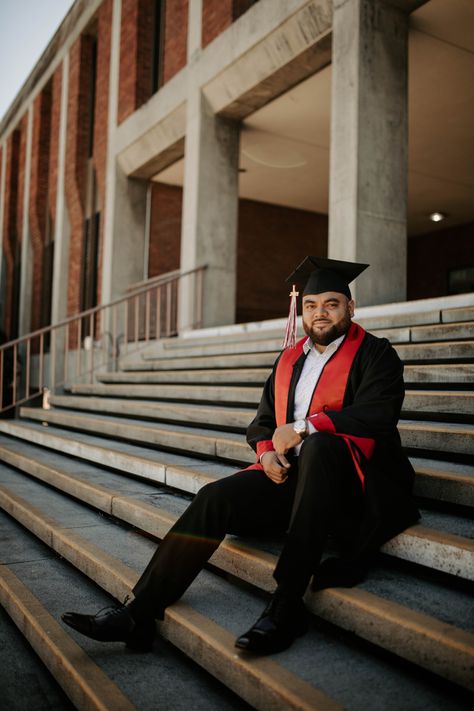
(318, 275)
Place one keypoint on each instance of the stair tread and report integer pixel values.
(166, 459)
(218, 600)
(54, 581)
(438, 528)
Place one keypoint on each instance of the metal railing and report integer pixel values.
(73, 350)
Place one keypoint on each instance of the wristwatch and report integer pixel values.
(301, 428)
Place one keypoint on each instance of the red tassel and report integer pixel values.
(292, 323)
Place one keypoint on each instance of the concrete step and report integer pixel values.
(430, 330)
(436, 351)
(43, 693)
(442, 374)
(456, 402)
(410, 352)
(435, 644)
(457, 373)
(249, 360)
(431, 336)
(177, 683)
(439, 437)
(83, 681)
(464, 313)
(231, 417)
(442, 332)
(439, 402)
(444, 481)
(444, 545)
(202, 393)
(243, 376)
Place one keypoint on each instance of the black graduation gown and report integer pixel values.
(371, 408)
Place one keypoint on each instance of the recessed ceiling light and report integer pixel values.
(437, 217)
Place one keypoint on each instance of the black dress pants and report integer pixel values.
(321, 492)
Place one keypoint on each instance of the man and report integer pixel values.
(329, 461)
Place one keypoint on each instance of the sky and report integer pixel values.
(26, 27)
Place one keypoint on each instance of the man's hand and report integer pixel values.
(275, 466)
(285, 438)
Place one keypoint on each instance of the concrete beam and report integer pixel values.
(294, 50)
(160, 146)
(368, 174)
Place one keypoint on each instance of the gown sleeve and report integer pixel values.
(378, 395)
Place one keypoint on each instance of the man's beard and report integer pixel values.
(336, 330)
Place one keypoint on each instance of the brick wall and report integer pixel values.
(77, 148)
(175, 37)
(136, 49)
(218, 15)
(38, 198)
(272, 241)
(13, 221)
(432, 256)
(136, 42)
(165, 229)
(76, 160)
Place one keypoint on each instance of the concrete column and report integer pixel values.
(61, 219)
(26, 250)
(368, 174)
(194, 28)
(210, 210)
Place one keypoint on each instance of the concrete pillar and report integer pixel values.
(210, 210)
(26, 281)
(194, 28)
(368, 174)
(61, 221)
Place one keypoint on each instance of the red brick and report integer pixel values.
(175, 37)
(165, 229)
(13, 218)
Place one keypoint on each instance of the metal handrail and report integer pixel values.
(149, 312)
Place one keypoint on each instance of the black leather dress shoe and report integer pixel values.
(283, 620)
(114, 624)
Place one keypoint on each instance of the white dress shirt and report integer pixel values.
(312, 369)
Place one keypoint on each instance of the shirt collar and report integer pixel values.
(330, 348)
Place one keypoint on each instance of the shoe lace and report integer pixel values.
(110, 610)
(115, 609)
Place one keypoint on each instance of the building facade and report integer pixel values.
(162, 135)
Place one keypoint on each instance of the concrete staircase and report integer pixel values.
(88, 486)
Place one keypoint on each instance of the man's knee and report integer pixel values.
(317, 445)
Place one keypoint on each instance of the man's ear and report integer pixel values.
(351, 305)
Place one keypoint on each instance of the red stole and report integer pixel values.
(328, 394)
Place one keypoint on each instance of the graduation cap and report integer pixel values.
(317, 275)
